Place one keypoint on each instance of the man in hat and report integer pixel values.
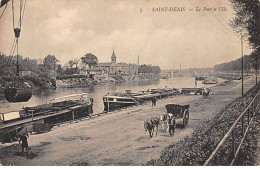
(23, 134)
(171, 124)
(154, 101)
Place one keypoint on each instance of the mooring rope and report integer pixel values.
(3, 11)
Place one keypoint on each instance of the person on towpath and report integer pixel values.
(23, 134)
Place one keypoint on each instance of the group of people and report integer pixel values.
(168, 120)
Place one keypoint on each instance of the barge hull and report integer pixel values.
(8, 132)
(110, 106)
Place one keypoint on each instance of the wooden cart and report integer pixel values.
(179, 112)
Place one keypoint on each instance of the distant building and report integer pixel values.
(115, 68)
(127, 69)
(92, 71)
(122, 68)
(107, 67)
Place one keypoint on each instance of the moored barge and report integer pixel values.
(113, 101)
(210, 80)
(59, 110)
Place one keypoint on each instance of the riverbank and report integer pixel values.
(35, 81)
(119, 138)
(75, 81)
(196, 149)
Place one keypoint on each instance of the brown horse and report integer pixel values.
(150, 124)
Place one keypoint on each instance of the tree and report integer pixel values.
(60, 71)
(149, 69)
(76, 62)
(142, 69)
(89, 59)
(255, 64)
(5, 68)
(156, 69)
(247, 24)
(72, 70)
(71, 63)
(49, 62)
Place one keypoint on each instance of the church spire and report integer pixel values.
(113, 57)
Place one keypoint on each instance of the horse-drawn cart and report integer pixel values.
(179, 112)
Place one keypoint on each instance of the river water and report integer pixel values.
(97, 91)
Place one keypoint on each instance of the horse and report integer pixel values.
(206, 92)
(150, 124)
(156, 122)
(163, 118)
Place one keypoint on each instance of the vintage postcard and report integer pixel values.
(129, 83)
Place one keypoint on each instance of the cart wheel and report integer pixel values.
(185, 118)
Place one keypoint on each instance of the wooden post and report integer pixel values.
(32, 114)
(233, 144)
(242, 65)
(107, 104)
(242, 125)
(248, 117)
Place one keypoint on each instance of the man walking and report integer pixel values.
(171, 124)
(1, 121)
(154, 101)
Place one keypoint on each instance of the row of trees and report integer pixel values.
(50, 66)
(149, 69)
(235, 65)
(72, 67)
(246, 24)
(8, 64)
(40, 74)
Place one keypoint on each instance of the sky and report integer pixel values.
(69, 29)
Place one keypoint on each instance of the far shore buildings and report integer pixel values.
(113, 68)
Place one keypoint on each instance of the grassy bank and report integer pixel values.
(195, 149)
(249, 151)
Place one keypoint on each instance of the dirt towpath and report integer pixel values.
(119, 138)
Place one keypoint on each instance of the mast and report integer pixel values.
(180, 69)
